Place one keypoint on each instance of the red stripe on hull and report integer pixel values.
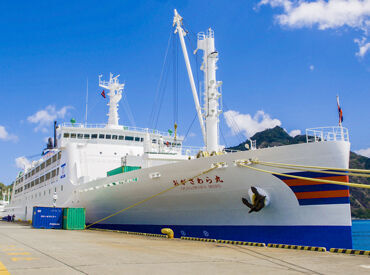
(298, 182)
(322, 194)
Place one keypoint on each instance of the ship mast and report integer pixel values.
(115, 95)
(206, 43)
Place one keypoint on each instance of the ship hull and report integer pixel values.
(211, 205)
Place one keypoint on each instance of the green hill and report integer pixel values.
(359, 197)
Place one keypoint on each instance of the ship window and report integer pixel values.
(129, 138)
(101, 136)
(44, 192)
(32, 183)
(57, 171)
(86, 136)
(137, 139)
(37, 169)
(59, 155)
(54, 158)
(55, 189)
(79, 136)
(53, 173)
(37, 181)
(108, 136)
(114, 137)
(47, 176)
(42, 165)
(66, 135)
(94, 136)
(48, 162)
(73, 135)
(49, 191)
(121, 137)
(61, 188)
(141, 139)
(42, 179)
(33, 172)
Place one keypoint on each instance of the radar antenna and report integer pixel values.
(115, 95)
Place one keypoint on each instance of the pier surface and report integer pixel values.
(25, 250)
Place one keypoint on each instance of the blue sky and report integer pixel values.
(280, 57)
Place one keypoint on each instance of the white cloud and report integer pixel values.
(364, 152)
(4, 135)
(363, 46)
(46, 116)
(294, 133)
(312, 67)
(249, 125)
(22, 162)
(329, 14)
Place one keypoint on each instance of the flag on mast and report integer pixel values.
(103, 93)
(340, 113)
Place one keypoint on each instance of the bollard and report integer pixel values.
(168, 232)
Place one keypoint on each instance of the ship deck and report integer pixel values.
(25, 250)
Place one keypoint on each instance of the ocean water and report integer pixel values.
(361, 234)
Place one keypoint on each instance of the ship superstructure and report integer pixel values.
(210, 194)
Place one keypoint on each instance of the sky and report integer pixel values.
(282, 62)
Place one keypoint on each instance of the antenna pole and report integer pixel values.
(87, 98)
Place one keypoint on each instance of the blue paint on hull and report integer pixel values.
(325, 236)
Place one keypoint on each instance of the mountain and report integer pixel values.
(359, 197)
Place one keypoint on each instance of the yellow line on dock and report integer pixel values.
(17, 259)
(18, 253)
(3, 270)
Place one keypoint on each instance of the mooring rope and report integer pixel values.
(216, 165)
(316, 171)
(313, 167)
(350, 184)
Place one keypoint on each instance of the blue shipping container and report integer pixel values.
(47, 217)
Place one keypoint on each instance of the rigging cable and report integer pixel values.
(234, 125)
(127, 108)
(191, 124)
(157, 93)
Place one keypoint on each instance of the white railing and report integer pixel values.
(121, 127)
(182, 150)
(335, 133)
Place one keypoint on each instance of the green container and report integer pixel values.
(122, 169)
(116, 171)
(130, 168)
(74, 218)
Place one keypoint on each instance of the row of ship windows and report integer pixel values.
(39, 168)
(52, 174)
(40, 193)
(102, 136)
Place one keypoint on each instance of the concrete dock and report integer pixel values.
(25, 250)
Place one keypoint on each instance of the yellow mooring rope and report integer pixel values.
(308, 170)
(350, 184)
(313, 167)
(153, 196)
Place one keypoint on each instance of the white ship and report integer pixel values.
(208, 188)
